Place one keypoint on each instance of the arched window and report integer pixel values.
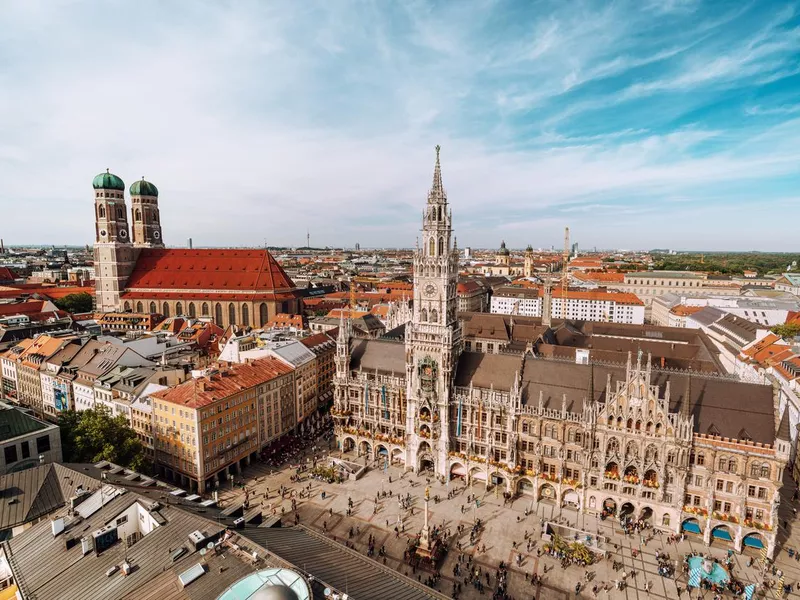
(671, 457)
(178, 309)
(127, 306)
(722, 464)
(765, 470)
(101, 211)
(434, 316)
(595, 462)
(155, 216)
(139, 307)
(571, 435)
(610, 420)
(263, 314)
(423, 315)
(153, 308)
(218, 314)
(120, 213)
(231, 314)
(732, 465)
(441, 246)
(638, 425)
(204, 309)
(192, 311)
(432, 247)
(629, 424)
(245, 315)
(137, 216)
(439, 213)
(165, 310)
(665, 520)
(755, 469)
(692, 458)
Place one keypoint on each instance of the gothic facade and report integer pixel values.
(700, 454)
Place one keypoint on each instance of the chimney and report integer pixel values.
(190, 243)
(201, 385)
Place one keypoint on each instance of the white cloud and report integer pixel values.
(262, 121)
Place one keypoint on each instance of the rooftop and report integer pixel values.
(223, 382)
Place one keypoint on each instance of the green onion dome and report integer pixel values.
(108, 181)
(143, 188)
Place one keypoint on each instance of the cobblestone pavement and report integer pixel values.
(503, 526)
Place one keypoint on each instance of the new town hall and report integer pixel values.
(692, 453)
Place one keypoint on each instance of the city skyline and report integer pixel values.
(636, 126)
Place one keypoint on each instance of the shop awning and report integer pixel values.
(753, 541)
(721, 534)
(691, 527)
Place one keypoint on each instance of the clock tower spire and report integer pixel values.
(433, 338)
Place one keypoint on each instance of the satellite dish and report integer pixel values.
(327, 592)
(210, 545)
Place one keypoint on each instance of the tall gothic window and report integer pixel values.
(192, 311)
(127, 306)
(204, 309)
(423, 315)
(432, 247)
(231, 314)
(137, 215)
(245, 315)
(434, 316)
(139, 307)
(218, 314)
(153, 308)
(441, 246)
(165, 310)
(101, 212)
(262, 314)
(178, 309)
(120, 213)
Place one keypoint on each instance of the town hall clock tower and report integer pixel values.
(433, 337)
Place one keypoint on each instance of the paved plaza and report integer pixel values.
(504, 525)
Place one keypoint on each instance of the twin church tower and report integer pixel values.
(115, 249)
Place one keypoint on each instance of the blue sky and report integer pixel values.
(671, 123)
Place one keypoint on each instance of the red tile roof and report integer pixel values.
(286, 320)
(601, 277)
(7, 274)
(684, 311)
(229, 381)
(22, 308)
(248, 271)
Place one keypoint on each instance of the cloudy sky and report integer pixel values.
(652, 123)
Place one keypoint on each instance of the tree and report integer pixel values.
(787, 330)
(75, 303)
(94, 435)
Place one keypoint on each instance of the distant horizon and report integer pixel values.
(636, 123)
(412, 248)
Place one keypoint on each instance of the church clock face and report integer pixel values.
(430, 290)
(102, 233)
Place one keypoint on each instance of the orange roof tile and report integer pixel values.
(250, 271)
(229, 381)
(684, 311)
(600, 277)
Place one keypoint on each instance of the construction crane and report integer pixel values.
(564, 274)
